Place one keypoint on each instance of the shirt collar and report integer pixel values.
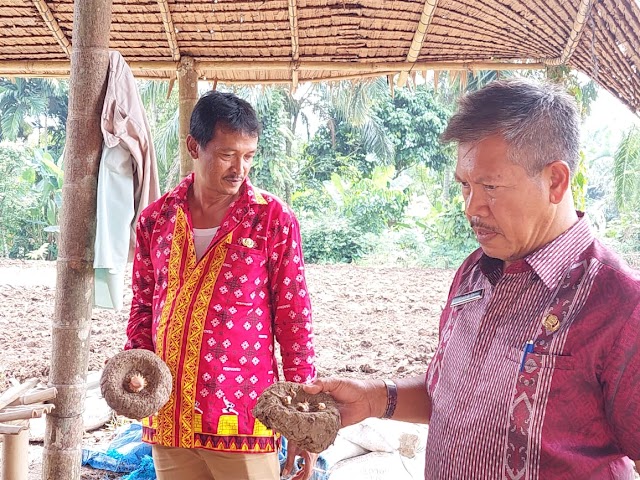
(550, 261)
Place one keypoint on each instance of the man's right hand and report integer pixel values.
(357, 399)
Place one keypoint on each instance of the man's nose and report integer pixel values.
(236, 165)
(475, 204)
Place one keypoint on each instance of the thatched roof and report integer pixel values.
(291, 41)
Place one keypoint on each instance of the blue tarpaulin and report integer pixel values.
(127, 453)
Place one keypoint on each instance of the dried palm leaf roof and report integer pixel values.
(291, 41)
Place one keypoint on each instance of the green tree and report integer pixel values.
(34, 104)
(45, 176)
(274, 168)
(627, 172)
(337, 148)
(414, 120)
(353, 105)
(364, 131)
(373, 204)
(15, 196)
(163, 115)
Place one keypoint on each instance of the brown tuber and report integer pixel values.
(136, 383)
(309, 421)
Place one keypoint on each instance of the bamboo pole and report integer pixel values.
(52, 24)
(188, 96)
(13, 393)
(428, 10)
(295, 48)
(12, 429)
(15, 455)
(168, 69)
(35, 396)
(574, 36)
(74, 284)
(25, 412)
(169, 29)
(361, 67)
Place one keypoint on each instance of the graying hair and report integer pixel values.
(539, 121)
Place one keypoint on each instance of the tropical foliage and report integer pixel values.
(627, 172)
(359, 162)
(34, 106)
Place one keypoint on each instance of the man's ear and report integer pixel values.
(192, 146)
(559, 178)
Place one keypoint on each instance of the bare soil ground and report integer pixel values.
(368, 322)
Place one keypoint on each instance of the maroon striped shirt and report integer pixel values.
(571, 409)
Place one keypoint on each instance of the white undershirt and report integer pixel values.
(202, 238)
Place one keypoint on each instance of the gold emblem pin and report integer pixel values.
(247, 242)
(551, 322)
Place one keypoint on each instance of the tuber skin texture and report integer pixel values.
(136, 383)
(309, 421)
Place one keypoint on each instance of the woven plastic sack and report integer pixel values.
(125, 453)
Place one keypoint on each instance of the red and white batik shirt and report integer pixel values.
(569, 409)
(213, 320)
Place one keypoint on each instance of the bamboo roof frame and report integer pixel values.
(418, 38)
(52, 23)
(169, 28)
(295, 41)
(295, 46)
(574, 36)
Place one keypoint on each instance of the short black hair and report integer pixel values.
(215, 108)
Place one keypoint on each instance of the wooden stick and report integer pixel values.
(187, 98)
(15, 392)
(293, 26)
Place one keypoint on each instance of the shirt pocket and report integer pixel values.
(244, 275)
(544, 361)
(251, 257)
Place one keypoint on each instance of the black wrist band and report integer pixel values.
(392, 398)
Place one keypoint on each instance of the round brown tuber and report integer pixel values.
(136, 383)
(309, 421)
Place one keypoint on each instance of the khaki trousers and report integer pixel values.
(172, 463)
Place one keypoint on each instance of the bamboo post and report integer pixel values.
(15, 454)
(74, 284)
(188, 95)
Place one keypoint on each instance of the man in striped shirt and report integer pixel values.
(537, 371)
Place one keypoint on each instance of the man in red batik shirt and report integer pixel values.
(537, 372)
(218, 275)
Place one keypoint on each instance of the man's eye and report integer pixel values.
(464, 184)
(490, 187)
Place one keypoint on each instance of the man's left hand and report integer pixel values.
(307, 467)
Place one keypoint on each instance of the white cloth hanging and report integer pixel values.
(127, 181)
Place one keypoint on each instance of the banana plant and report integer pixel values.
(627, 172)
